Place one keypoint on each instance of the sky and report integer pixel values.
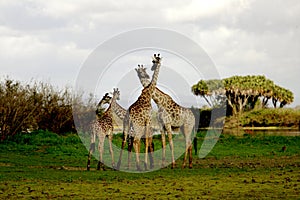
(51, 40)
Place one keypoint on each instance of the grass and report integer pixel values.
(45, 165)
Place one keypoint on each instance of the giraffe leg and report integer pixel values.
(169, 131)
(151, 149)
(130, 144)
(101, 148)
(188, 146)
(92, 149)
(190, 133)
(163, 141)
(184, 159)
(110, 137)
(125, 134)
(190, 157)
(146, 147)
(136, 145)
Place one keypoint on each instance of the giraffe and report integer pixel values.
(138, 117)
(171, 116)
(102, 127)
(117, 109)
(120, 112)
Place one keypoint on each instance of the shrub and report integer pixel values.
(280, 117)
(17, 108)
(37, 106)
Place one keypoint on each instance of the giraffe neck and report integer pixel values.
(153, 82)
(145, 82)
(108, 111)
(159, 97)
(118, 110)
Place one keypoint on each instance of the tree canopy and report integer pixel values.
(242, 91)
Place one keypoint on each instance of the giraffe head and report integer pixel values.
(156, 61)
(106, 99)
(143, 76)
(141, 72)
(116, 94)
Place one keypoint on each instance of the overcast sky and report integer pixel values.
(50, 40)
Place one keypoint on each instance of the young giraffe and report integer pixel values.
(102, 127)
(171, 116)
(138, 117)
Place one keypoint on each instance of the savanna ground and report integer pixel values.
(43, 165)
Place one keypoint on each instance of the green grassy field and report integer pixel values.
(44, 165)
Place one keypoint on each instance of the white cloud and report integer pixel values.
(52, 38)
(26, 57)
(202, 9)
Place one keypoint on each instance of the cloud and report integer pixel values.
(22, 15)
(270, 16)
(53, 38)
(208, 13)
(26, 57)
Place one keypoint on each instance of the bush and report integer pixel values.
(279, 117)
(36, 106)
(36, 138)
(17, 108)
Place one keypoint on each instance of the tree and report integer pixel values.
(282, 96)
(243, 91)
(211, 90)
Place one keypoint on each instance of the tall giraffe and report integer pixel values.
(171, 116)
(102, 127)
(120, 112)
(138, 116)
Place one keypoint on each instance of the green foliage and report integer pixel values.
(243, 91)
(40, 106)
(210, 90)
(281, 95)
(33, 106)
(284, 117)
(43, 138)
